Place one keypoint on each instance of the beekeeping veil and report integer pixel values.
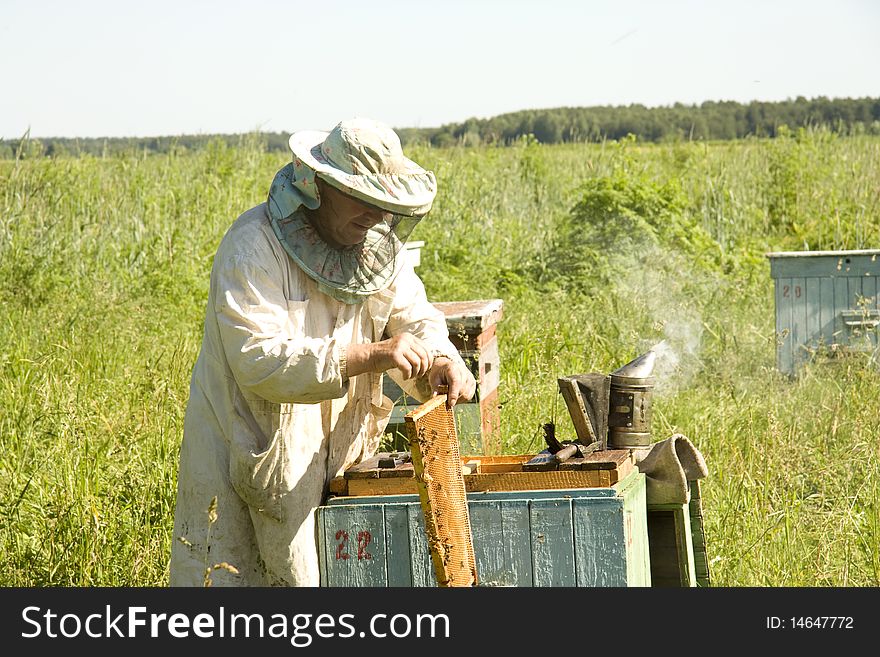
(364, 159)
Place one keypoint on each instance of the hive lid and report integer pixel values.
(805, 254)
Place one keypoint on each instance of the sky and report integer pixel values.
(97, 68)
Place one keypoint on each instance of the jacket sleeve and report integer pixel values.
(264, 337)
(411, 312)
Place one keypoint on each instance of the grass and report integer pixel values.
(103, 278)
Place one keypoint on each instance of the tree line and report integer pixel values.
(711, 120)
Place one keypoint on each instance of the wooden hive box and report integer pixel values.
(824, 299)
(471, 326)
(563, 537)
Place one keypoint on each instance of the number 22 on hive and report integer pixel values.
(363, 540)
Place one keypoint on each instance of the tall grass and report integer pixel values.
(103, 278)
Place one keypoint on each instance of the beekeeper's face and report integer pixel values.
(343, 220)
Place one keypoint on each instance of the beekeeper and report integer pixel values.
(312, 298)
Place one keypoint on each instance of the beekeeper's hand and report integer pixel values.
(456, 377)
(404, 352)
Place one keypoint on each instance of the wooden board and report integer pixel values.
(496, 473)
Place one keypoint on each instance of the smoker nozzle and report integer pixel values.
(638, 368)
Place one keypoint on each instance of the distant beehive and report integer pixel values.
(824, 300)
(471, 326)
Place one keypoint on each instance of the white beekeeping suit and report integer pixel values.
(272, 418)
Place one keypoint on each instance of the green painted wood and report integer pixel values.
(783, 326)
(552, 542)
(354, 545)
(321, 538)
(827, 317)
(516, 541)
(686, 547)
(813, 311)
(422, 567)
(599, 536)
(799, 337)
(591, 537)
(398, 561)
(841, 303)
(831, 266)
(698, 536)
(638, 562)
(487, 529)
(869, 284)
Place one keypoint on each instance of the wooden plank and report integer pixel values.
(633, 492)
(622, 472)
(841, 303)
(338, 486)
(488, 532)
(826, 311)
(869, 289)
(872, 253)
(517, 541)
(470, 342)
(490, 423)
(489, 369)
(485, 459)
(599, 542)
(812, 301)
(426, 408)
(832, 264)
(596, 391)
(354, 544)
(398, 561)
(783, 326)
(473, 315)
(552, 543)
(685, 547)
(698, 536)
(420, 558)
(393, 486)
(511, 481)
(855, 291)
(497, 475)
(799, 337)
(366, 470)
(612, 459)
(570, 392)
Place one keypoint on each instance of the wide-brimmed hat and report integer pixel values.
(361, 158)
(364, 158)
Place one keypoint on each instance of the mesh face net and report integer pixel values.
(437, 465)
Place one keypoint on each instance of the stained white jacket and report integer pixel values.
(269, 420)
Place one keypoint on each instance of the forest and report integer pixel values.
(708, 121)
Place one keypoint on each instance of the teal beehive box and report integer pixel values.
(825, 300)
(577, 537)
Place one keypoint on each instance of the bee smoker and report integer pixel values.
(613, 410)
(629, 408)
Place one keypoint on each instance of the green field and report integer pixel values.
(598, 251)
